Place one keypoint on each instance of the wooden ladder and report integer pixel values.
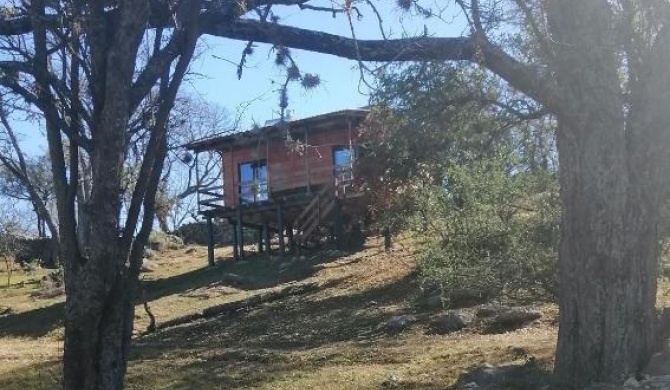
(315, 213)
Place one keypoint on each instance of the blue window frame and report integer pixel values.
(253, 179)
(343, 158)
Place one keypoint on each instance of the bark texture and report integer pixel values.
(612, 188)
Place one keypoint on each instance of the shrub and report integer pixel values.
(160, 241)
(490, 233)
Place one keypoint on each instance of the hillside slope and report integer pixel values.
(329, 338)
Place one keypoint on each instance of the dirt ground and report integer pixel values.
(327, 339)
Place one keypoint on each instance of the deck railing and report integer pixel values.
(211, 197)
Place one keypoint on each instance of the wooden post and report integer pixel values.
(210, 242)
(339, 226)
(289, 234)
(236, 253)
(240, 234)
(387, 239)
(280, 223)
(268, 245)
(260, 240)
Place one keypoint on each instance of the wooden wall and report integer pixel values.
(287, 169)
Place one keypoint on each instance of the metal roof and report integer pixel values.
(310, 123)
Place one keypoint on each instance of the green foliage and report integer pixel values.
(470, 167)
(160, 241)
(31, 266)
(491, 232)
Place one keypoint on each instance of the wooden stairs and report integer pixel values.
(317, 213)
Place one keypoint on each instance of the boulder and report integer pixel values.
(467, 297)
(450, 321)
(527, 376)
(147, 266)
(397, 323)
(148, 253)
(501, 319)
(434, 302)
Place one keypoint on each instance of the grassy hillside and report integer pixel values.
(326, 339)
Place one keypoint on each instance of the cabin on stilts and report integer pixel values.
(290, 181)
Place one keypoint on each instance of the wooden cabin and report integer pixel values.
(292, 181)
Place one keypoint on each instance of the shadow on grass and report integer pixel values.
(39, 376)
(33, 323)
(259, 272)
(293, 324)
(255, 272)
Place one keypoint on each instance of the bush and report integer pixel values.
(196, 233)
(491, 233)
(42, 249)
(160, 241)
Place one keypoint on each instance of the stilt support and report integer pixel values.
(210, 242)
(280, 223)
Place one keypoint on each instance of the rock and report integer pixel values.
(450, 321)
(460, 298)
(392, 382)
(434, 302)
(509, 319)
(631, 383)
(397, 323)
(525, 376)
(149, 253)
(490, 310)
(190, 250)
(603, 386)
(147, 266)
(471, 385)
(234, 279)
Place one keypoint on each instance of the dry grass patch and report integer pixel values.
(328, 339)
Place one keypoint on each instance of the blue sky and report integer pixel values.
(254, 98)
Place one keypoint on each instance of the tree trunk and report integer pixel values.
(98, 330)
(611, 191)
(607, 258)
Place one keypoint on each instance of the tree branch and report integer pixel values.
(530, 79)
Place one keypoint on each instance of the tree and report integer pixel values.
(599, 66)
(454, 156)
(77, 63)
(192, 118)
(27, 179)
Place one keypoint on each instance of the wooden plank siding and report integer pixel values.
(287, 170)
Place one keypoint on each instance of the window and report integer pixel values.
(343, 163)
(253, 179)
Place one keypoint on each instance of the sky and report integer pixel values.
(254, 98)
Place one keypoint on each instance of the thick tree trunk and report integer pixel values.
(611, 193)
(608, 254)
(98, 330)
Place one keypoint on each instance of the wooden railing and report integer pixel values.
(211, 197)
(315, 213)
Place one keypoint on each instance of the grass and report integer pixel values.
(324, 340)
